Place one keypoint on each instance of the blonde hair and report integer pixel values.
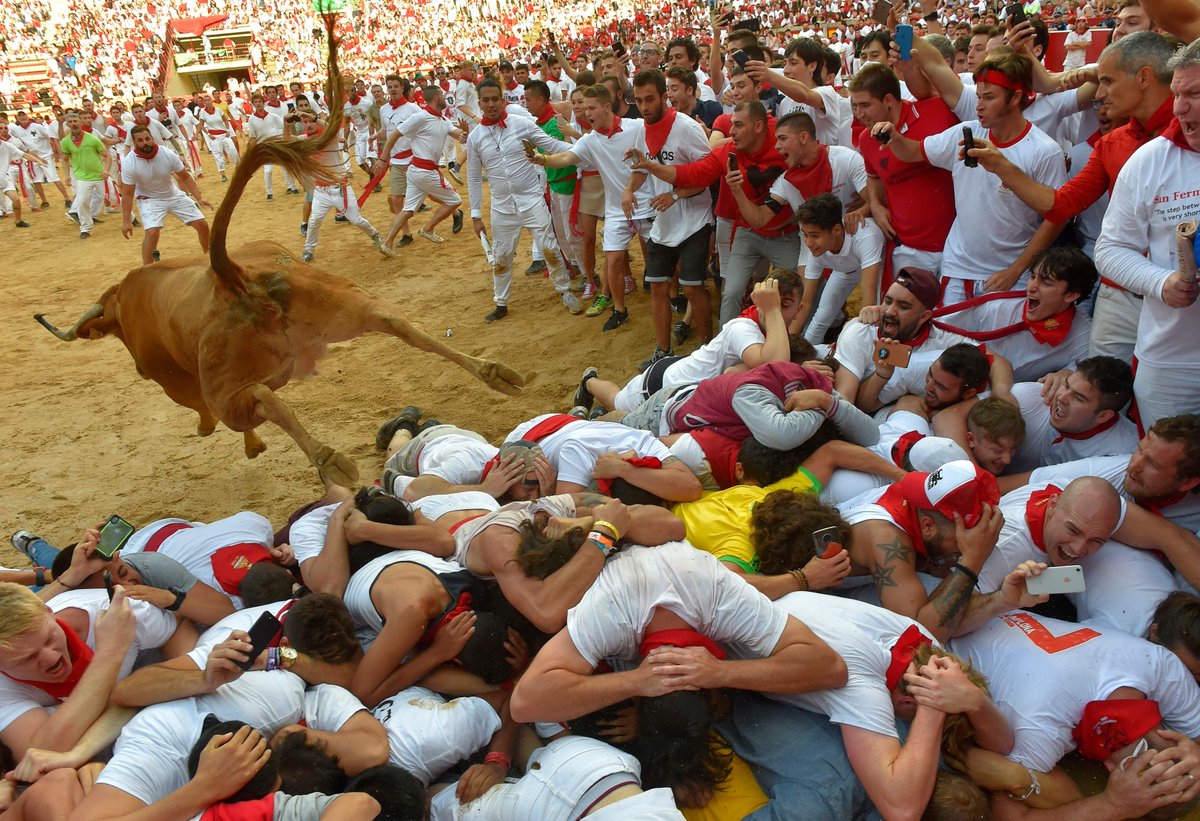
(23, 611)
(958, 736)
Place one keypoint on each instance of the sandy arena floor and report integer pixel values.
(87, 437)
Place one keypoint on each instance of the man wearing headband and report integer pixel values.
(995, 236)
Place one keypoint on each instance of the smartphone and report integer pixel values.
(1065, 579)
(1015, 13)
(968, 144)
(827, 542)
(618, 48)
(904, 40)
(114, 533)
(883, 137)
(108, 585)
(896, 354)
(264, 631)
(733, 165)
(749, 24)
(881, 11)
(741, 58)
(530, 147)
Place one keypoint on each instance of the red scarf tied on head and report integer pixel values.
(679, 638)
(997, 78)
(80, 655)
(902, 654)
(1035, 513)
(605, 485)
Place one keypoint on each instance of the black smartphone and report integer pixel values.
(1015, 13)
(749, 24)
(108, 585)
(264, 631)
(733, 165)
(881, 11)
(882, 137)
(741, 58)
(114, 533)
(968, 144)
(618, 48)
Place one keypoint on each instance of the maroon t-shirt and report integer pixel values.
(919, 196)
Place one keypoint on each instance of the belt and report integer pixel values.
(421, 162)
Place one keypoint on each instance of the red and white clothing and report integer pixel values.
(426, 131)
(1155, 191)
(18, 171)
(992, 227)
(358, 111)
(606, 153)
(1034, 348)
(514, 94)
(1044, 445)
(856, 344)
(161, 134)
(38, 140)
(260, 127)
(155, 191)
(219, 135)
(393, 117)
(849, 178)
(676, 140)
(1042, 672)
(833, 124)
(861, 250)
(337, 197)
(455, 455)
(513, 516)
(574, 448)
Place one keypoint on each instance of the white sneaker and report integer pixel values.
(572, 303)
(383, 249)
(429, 236)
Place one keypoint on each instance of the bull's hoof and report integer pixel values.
(253, 445)
(336, 467)
(500, 377)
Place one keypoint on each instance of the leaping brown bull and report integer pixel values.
(221, 335)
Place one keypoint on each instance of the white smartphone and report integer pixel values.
(1065, 579)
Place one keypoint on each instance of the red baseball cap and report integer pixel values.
(956, 487)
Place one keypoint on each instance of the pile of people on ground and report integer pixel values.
(929, 562)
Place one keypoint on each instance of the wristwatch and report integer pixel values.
(179, 597)
(675, 196)
(287, 657)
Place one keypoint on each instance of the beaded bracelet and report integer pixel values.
(800, 578)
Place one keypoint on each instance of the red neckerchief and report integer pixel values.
(262, 116)
(656, 134)
(1090, 432)
(1174, 133)
(751, 313)
(153, 154)
(87, 128)
(1159, 120)
(1035, 513)
(80, 655)
(260, 809)
(547, 115)
(355, 98)
(79, 142)
(136, 121)
(1157, 507)
(679, 637)
(1051, 331)
(904, 514)
(212, 110)
(614, 129)
(429, 110)
(162, 110)
(605, 485)
(814, 179)
(584, 125)
(502, 121)
(903, 445)
(902, 654)
(512, 87)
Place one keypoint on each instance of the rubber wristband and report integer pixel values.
(272, 658)
(616, 534)
(498, 758)
(968, 572)
(39, 576)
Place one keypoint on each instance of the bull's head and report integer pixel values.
(73, 334)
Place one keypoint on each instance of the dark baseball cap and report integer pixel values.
(922, 284)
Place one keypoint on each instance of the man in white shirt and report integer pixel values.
(161, 134)
(427, 130)
(218, 133)
(802, 84)
(149, 175)
(995, 236)
(392, 115)
(44, 144)
(1137, 250)
(188, 123)
(1078, 41)
(851, 258)
(356, 110)
(260, 125)
(516, 187)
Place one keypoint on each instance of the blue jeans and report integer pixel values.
(42, 554)
(799, 761)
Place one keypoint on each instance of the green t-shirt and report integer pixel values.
(87, 158)
(561, 180)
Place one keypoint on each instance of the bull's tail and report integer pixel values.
(301, 156)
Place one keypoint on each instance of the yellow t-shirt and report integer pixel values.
(735, 798)
(719, 522)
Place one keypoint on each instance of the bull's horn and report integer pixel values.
(71, 335)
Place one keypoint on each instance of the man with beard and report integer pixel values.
(150, 174)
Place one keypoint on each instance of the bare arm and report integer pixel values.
(543, 601)
(898, 779)
(1179, 17)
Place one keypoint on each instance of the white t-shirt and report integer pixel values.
(1042, 672)
(849, 177)
(466, 96)
(259, 128)
(1076, 58)
(213, 122)
(457, 459)
(993, 226)
(607, 155)
(856, 344)
(37, 136)
(161, 134)
(393, 118)
(152, 178)
(1031, 359)
(860, 250)
(722, 351)
(573, 450)
(427, 734)
(359, 114)
(308, 533)
(833, 124)
(1044, 445)
(684, 144)
(609, 622)
(427, 134)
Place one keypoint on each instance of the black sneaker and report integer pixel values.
(20, 224)
(340, 218)
(135, 223)
(406, 419)
(658, 354)
(378, 188)
(616, 319)
(156, 256)
(84, 234)
(680, 332)
(427, 424)
(679, 304)
(304, 229)
(458, 221)
(535, 267)
(73, 217)
(270, 197)
(424, 207)
(583, 396)
(596, 412)
(499, 312)
(407, 239)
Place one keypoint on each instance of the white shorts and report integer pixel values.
(619, 232)
(427, 735)
(154, 211)
(47, 172)
(632, 395)
(423, 182)
(362, 145)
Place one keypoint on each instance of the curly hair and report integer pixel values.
(958, 736)
(782, 527)
(677, 743)
(540, 555)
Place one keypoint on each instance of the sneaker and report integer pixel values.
(304, 229)
(458, 222)
(424, 207)
(383, 249)
(97, 220)
(423, 234)
(535, 267)
(84, 234)
(340, 218)
(378, 188)
(427, 424)
(577, 284)
(680, 332)
(270, 197)
(596, 412)
(21, 541)
(646, 286)
(572, 303)
(615, 320)
(405, 240)
(20, 224)
(66, 203)
(73, 217)
(453, 172)
(224, 178)
(679, 304)
(599, 305)
(658, 354)
(306, 257)
(291, 191)
(630, 285)
(44, 205)
(583, 396)
(499, 312)
(407, 419)
(387, 481)
(135, 223)
(155, 255)
(589, 290)
(579, 412)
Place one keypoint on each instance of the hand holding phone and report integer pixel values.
(1064, 579)
(1016, 14)
(904, 41)
(114, 533)
(262, 633)
(732, 162)
(741, 58)
(895, 354)
(108, 585)
(827, 542)
(968, 146)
